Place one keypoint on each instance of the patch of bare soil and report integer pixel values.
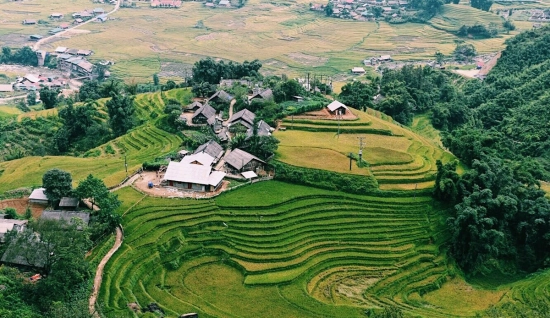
(206, 37)
(306, 59)
(14, 39)
(20, 205)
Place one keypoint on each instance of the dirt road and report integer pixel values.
(44, 40)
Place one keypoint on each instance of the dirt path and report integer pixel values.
(99, 272)
(42, 41)
(118, 241)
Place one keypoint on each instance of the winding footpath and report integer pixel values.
(118, 241)
(36, 46)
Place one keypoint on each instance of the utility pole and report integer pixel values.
(361, 148)
(308, 85)
(125, 165)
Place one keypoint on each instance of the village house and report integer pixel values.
(29, 22)
(56, 16)
(192, 177)
(220, 97)
(263, 129)
(211, 148)
(102, 18)
(165, 3)
(66, 216)
(38, 196)
(263, 95)
(230, 82)
(67, 203)
(204, 115)
(337, 108)
(193, 107)
(201, 159)
(241, 121)
(7, 225)
(35, 37)
(238, 161)
(358, 70)
(384, 58)
(98, 11)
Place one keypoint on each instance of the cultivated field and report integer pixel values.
(397, 158)
(143, 143)
(286, 37)
(301, 252)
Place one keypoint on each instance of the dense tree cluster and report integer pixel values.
(484, 5)
(24, 56)
(478, 31)
(210, 71)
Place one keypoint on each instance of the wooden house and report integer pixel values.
(238, 161)
(204, 114)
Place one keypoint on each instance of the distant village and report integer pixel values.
(364, 10)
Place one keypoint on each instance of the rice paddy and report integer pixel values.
(398, 158)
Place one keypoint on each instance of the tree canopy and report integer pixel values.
(210, 71)
(57, 184)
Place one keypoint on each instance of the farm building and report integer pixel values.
(192, 177)
(231, 82)
(56, 16)
(220, 97)
(38, 196)
(55, 30)
(205, 114)
(193, 107)
(200, 159)
(358, 70)
(102, 18)
(10, 225)
(6, 88)
(165, 3)
(211, 148)
(60, 49)
(337, 108)
(384, 58)
(67, 216)
(241, 121)
(224, 3)
(35, 37)
(97, 11)
(238, 161)
(67, 203)
(29, 22)
(263, 95)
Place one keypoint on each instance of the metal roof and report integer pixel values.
(201, 157)
(38, 194)
(189, 173)
(8, 224)
(335, 105)
(67, 202)
(238, 158)
(249, 174)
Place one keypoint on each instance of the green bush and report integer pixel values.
(154, 165)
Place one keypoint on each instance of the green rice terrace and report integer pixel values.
(279, 250)
(398, 158)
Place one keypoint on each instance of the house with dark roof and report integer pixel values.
(238, 161)
(67, 203)
(29, 21)
(263, 129)
(211, 148)
(263, 95)
(220, 97)
(241, 121)
(204, 115)
(193, 106)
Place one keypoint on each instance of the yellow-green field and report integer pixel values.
(398, 158)
(287, 38)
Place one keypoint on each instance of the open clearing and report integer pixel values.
(287, 37)
(398, 158)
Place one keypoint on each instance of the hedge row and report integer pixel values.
(372, 131)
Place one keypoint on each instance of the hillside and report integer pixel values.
(397, 157)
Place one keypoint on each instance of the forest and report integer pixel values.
(499, 128)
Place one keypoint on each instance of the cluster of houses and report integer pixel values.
(539, 15)
(78, 17)
(372, 61)
(205, 168)
(166, 3)
(67, 211)
(74, 61)
(363, 10)
(241, 122)
(217, 4)
(33, 82)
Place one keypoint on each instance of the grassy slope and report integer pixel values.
(141, 144)
(398, 161)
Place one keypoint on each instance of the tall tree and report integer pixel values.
(91, 188)
(48, 97)
(357, 95)
(121, 111)
(57, 184)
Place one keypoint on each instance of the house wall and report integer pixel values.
(185, 186)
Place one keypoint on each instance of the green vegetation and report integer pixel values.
(288, 243)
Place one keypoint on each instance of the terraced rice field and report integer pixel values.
(398, 158)
(301, 252)
(143, 143)
(453, 16)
